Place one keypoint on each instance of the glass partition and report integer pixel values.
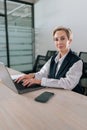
(17, 35)
(1, 6)
(3, 54)
(20, 35)
(3, 50)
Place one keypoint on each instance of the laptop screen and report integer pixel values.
(7, 80)
(5, 77)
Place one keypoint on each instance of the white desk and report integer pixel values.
(65, 111)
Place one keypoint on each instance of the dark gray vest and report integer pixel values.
(69, 60)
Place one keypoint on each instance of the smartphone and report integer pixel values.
(44, 97)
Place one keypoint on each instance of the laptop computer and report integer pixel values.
(18, 88)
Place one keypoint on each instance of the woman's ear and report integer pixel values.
(70, 41)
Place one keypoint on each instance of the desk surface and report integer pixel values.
(65, 111)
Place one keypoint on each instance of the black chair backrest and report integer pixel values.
(83, 56)
(50, 53)
(39, 62)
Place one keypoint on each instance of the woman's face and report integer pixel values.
(62, 42)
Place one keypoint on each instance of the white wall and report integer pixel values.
(50, 14)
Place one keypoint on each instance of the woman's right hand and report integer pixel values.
(26, 76)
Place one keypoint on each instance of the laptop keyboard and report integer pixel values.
(19, 86)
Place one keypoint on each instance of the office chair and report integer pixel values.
(83, 81)
(49, 54)
(83, 56)
(39, 62)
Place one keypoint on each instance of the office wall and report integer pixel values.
(52, 13)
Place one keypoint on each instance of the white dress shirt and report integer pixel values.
(68, 82)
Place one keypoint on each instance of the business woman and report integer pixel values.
(63, 70)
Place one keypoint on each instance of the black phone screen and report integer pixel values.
(44, 97)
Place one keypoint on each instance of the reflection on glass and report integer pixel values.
(3, 55)
(19, 14)
(20, 35)
(1, 6)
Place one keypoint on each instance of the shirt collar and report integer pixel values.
(58, 59)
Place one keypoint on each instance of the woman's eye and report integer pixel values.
(63, 38)
(59, 39)
(55, 39)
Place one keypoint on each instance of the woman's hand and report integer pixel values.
(29, 82)
(25, 77)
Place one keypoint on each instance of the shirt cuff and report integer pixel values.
(43, 82)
